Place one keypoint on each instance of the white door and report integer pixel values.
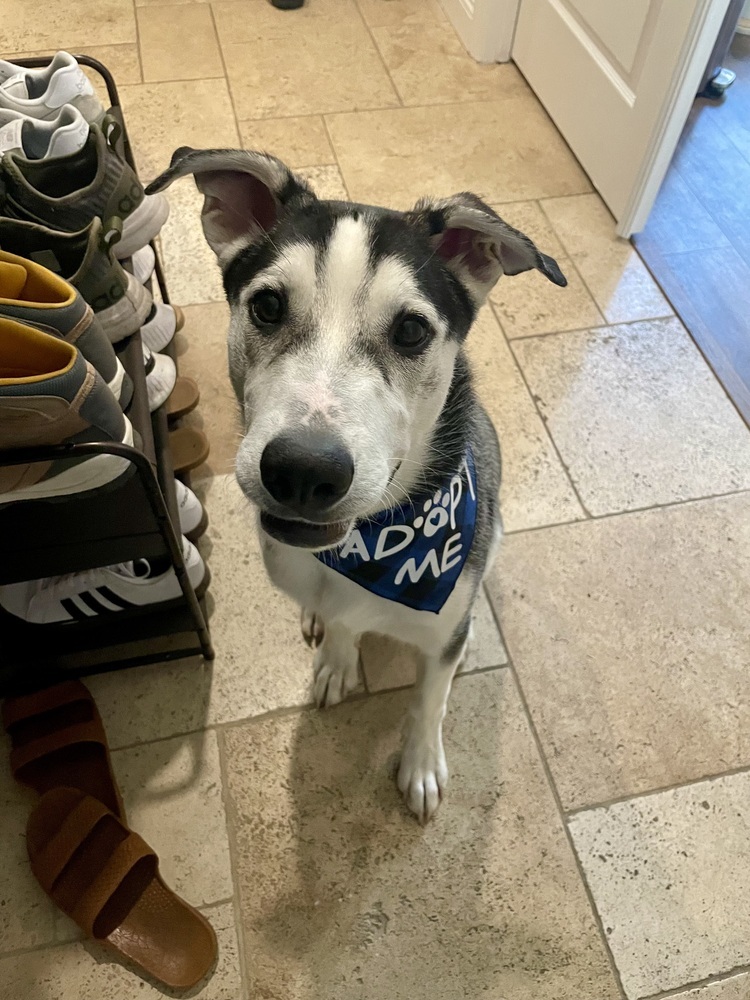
(618, 77)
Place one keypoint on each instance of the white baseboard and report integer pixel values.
(743, 27)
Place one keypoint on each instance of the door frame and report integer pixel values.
(704, 30)
(487, 28)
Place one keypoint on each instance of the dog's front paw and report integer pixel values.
(335, 676)
(423, 776)
(313, 629)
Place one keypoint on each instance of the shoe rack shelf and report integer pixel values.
(133, 517)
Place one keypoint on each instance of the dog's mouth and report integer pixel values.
(305, 534)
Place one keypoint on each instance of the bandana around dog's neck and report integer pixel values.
(414, 553)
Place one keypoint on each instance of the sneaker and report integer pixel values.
(143, 263)
(68, 192)
(40, 93)
(104, 591)
(43, 140)
(49, 395)
(161, 325)
(85, 259)
(161, 375)
(35, 296)
(193, 517)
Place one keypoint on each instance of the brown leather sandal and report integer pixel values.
(189, 448)
(57, 738)
(106, 879)
(183, 398)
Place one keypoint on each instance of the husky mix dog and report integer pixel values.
(373, 466)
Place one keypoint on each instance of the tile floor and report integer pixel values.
(594, 844)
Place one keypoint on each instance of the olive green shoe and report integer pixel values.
(67, 193)
(85, 259)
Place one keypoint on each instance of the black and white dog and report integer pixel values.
(374, 467)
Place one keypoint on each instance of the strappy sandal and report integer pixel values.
(57, 738)
(106, 879)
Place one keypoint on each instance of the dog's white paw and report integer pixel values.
(335, 678)
(313, 628)
(423, 776)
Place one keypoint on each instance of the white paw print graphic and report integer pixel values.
(435, 514)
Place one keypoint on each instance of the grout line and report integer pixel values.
(138, 42)
(534, 400)
(635, 510)
(589, 329)
(561, 813)
(336, 157)
(230, 817)
(720, 977)
(651, 792)
(227, 82)
(368, 29)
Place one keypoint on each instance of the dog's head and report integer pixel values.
(346, 321)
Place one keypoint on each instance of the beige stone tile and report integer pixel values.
(617, 277)
(506, 150)
(27, 917)
(344, 895)
(669, 876)
(66, 24)
(429, 65)
(325, 62)
(528, 304)
(390, 664)
(173, 796)
(262, 661)
(299, 142)
(166, 3)
(178, 43)
(190, 266)
(637, 415)
(326, 182)
(385, 13)
(630, 638)
(88, 971)
(535, 488)
(164, 116)
(202, 353)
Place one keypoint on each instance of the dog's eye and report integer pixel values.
(267, 308)
(410, 334)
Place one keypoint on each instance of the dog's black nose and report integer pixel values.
(307, 472)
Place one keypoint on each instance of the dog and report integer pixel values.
(374, 469)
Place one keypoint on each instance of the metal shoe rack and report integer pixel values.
(133, 517)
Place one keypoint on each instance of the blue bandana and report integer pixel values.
(414, 553)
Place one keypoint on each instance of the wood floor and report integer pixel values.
(697, 241)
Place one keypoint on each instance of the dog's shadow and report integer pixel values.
(356, 899)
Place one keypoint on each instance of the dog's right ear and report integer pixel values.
(244, 192)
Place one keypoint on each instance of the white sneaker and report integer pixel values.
(160, 326)
(63, 135)
(144, 262)
(97, 592)
(161, 375)
(193, 518)
(40, 93)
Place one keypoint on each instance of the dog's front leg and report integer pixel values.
(336, 664)
(423, 773)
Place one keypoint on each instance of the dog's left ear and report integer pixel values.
(478, 246)
(244, 192)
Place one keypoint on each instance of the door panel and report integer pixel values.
(612, 76)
